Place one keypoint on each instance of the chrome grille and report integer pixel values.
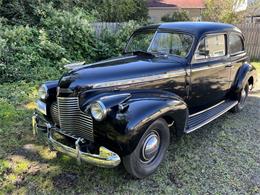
(54, 113)
(72, 120)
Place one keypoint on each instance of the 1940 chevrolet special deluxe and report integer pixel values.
(171, 77)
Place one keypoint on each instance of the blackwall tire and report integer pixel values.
(150, 151)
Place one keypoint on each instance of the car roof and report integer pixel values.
(196, 28)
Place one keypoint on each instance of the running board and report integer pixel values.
(204, 117)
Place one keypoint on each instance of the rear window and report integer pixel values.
(236, 43)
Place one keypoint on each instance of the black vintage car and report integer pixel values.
(172, 77)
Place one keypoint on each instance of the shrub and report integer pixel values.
(180, 15)
(121, 11)
(72, 31)
(30, 53)
(29, 12)
(113, 44)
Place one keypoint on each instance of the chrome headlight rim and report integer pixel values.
(43, 92)
(103, 110)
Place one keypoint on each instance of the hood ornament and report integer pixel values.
(74, 66)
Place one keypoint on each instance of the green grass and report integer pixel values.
(222, 157)
(257, 66)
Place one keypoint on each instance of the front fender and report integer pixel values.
(143, 112)
(126, 127)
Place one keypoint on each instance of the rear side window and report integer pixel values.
(236, 43)
(211, 46)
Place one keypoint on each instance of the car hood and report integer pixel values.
(117, 69)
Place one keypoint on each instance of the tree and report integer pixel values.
(30, 12)
(180, 15)
(253, 8)
(122, 10)
(221, 11)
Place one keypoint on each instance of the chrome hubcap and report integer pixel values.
(243, 97)
(150, 146)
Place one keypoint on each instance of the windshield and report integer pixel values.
(168, 43)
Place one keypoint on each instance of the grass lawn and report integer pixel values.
(222, 157)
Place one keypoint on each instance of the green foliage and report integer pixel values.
(113, 44)
(221, 11)
(123, 10)
(30, 53)
(26, 12)
(23, 56)
(30, 12)
(180, 15)
(71, 31)
(38, 37)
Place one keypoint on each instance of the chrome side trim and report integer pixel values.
(107, 61)
(140, 79)
(211, 119)
(208, 67)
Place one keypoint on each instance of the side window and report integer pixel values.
(172, 43)
(211, 46)
(236, 43)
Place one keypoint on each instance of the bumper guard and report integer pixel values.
(105, 158)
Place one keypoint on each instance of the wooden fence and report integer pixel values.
(101, 26)
(252, 38)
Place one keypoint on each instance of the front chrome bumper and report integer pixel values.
(105, 158)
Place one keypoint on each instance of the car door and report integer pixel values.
(210, 72)
(237, 53)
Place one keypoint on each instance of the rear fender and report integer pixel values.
(242, 76)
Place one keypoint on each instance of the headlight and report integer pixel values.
(43, 92)
(98, 110)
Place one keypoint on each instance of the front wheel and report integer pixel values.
(241, 99)
(150, 151)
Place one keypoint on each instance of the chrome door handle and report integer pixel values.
(229, 65)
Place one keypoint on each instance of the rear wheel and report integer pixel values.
(150, 151)
(241, 99)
